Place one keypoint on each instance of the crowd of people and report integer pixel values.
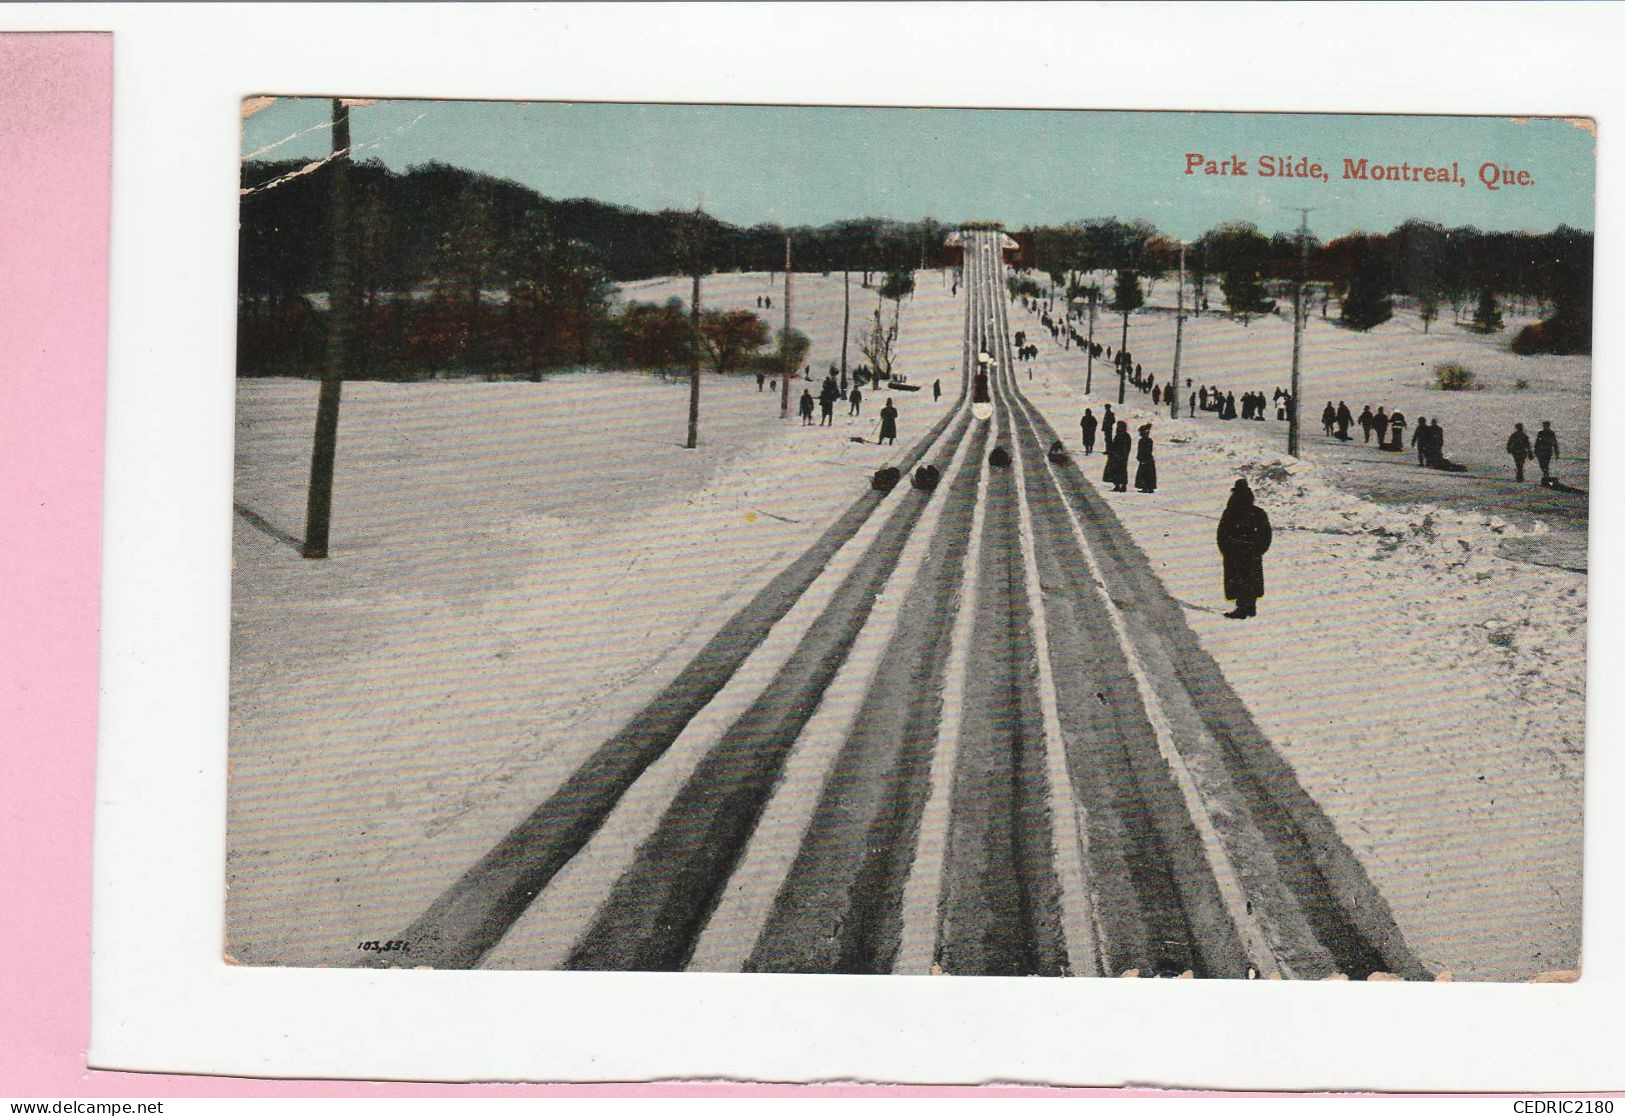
(835, 389)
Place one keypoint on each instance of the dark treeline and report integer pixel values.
(1464, 269)
(456, 271)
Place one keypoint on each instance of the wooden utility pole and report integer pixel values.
(1089, 371)
(319, 507)
(784, 344)
(1122, 365)
(846, 314)
(1179, 335)
(1294, 407)
(694, 363)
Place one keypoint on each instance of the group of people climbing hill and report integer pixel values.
(1118, 445)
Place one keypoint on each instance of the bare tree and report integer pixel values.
(879, 345)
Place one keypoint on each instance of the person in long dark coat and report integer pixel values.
(1328, 418)
(1229, 411)
(1108, 429)
(806, 407)
(1145, 476)
(826, 402)
(1379, 423)
(1345, 419)
(1435, 454)
(1244, 535)
(1545, 450)
(1118, 448)
(1518, 446)
(1090, 424)
(1396, 424)
(888, 423)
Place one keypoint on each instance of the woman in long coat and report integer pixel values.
(1244, 536)
(1145, 476)
(888, 423)
(1118, 447)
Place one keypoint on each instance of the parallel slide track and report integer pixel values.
(966, 731)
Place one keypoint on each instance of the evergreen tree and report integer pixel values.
(1366, 303)
(1126, 295)
(1427, 308)
(1244, 294)
(1487, 318)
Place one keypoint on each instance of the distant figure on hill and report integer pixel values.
(888, 423)
(1520, 449)
(856, 397)
(1546, 451)
(936, 390)
(1244, 535)
(1118, 448)
(806, 406)
(761, 378)
(1090, 424)
(1145, 475)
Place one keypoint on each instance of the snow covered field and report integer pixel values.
(1429, 690)
(516, 568)
(1391, 365)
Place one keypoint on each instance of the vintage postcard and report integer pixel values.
(732, 538)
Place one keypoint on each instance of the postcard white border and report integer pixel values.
(161, 998)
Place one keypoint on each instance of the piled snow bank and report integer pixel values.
(1428, 692)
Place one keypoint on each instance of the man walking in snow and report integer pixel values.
(1545, 451)
(1419, 439)
(856, 397)
(1518, 446)
(827, 396)
(806, 407)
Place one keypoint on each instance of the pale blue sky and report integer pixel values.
(807, 166)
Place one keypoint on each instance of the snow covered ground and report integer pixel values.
(1428, 689)
(516, 568)
(1392, 366)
